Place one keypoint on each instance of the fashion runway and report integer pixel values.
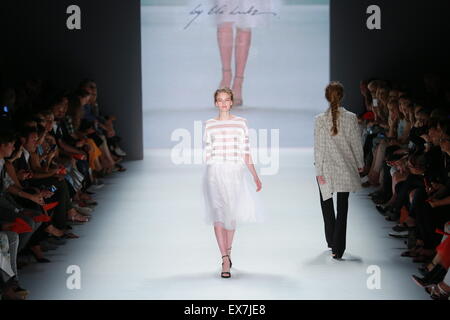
(147, 240)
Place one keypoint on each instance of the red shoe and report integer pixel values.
(70, 235)
(50, 206)
(20, 226)
(42, 218)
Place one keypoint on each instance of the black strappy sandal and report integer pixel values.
(229, 252)
(226, 274)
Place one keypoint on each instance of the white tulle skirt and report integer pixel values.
(230, 198)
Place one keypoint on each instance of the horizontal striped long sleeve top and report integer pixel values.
(226, 140)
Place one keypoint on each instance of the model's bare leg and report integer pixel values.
(221, 237)
(230, 235)
(242, 48)
(225, 40)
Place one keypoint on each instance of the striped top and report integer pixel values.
(226, 140)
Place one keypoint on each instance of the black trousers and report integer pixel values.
(404, 188)
(335, 226)
(387, 182)
(428, 219)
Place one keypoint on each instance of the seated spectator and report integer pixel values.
(41, 177)
(47, 165)
(102, 123)
(408, 156)
(9, 288)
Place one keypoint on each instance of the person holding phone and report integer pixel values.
(338, 160)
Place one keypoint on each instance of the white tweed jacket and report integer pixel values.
(337, 158)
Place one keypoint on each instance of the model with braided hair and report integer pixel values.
(338, 159)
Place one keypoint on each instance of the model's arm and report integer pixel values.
(249, 160)
(356, 143)
(208, 147)
(251, 168)
(319, 148)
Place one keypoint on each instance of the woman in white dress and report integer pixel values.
(227, 192)
(338, 159)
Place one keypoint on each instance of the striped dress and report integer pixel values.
(227, 188)
(226, 140)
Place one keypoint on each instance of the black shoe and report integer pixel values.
(381, 209)
(21, 291)
(423, 271)
(336, 257)
(226, 274)
(380, 200)
(399, 235)
(9, 294)
(392, 215)
(56, 240)
(436, 275)
(401, 227)
(40, 260)
(376, 194)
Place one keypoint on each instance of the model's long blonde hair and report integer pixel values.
(334, 93)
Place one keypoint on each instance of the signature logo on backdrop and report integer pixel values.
(217, 10)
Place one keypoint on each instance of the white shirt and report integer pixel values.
(7, 181)
(26, 154)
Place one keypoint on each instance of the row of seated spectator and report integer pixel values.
(54, 150)
(406, 136)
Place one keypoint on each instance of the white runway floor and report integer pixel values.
(147, 240)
